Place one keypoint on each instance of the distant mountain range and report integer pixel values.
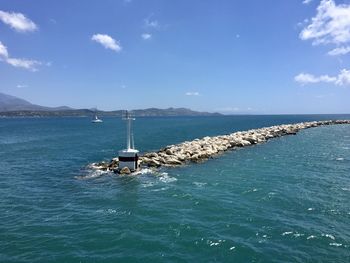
(12, 103)
(11, 106)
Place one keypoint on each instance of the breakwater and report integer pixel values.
(205, 148)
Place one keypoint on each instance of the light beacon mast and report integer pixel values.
(129, 156)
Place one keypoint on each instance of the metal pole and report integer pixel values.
(128, 130)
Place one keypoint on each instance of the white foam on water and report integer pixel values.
(328, 236)
(232, 248)
(93, 174)
(165, 178)
(310, 209)
(250, 191)
(144, 171)
(311, 237)
(298, 235)
(160, 189)
(214, 243)
(199, 184)
(340, 159)
(148, 184)
(111, 211)
(287, 233)
(335, 244)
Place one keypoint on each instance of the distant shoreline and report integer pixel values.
(118, 114)
(151, 112)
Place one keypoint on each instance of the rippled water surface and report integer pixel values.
(283, 201)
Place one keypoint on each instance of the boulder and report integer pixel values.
(172, 161)
(125, 170)
(100, 166)
(113, 164)
(153, 163)
(151, 155)
(169, 152)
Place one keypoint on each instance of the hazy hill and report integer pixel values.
(11, 106)
(12, 103)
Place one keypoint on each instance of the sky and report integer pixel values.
(233, 57)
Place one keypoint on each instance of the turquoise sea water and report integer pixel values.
(283, 201)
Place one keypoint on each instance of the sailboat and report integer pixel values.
(96, 119)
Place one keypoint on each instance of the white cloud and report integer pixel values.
(306, 2)
(192, 93)
(331, 25)
(24, 63)
(53, 21)
(229, 109)
(3, 51)
(22, 86)
(305, 78)
(18, 62)
(235, 110)
(342, 79)
(107, 41)
(151, 23)
(146, 36)
(18, 21)
(339, 51)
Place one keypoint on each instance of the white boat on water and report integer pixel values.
(96, 120)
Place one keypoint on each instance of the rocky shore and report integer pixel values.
(200, 150)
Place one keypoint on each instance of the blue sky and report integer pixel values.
(228, 56)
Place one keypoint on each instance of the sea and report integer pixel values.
(287, 200)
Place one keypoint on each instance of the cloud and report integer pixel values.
(331, 25)
(339, 51)
(146, 36)
(342, 79)
(53, 21)
(107, 41)
(235, 110)
(229, 109)
(18, 62)
(3, 51)
(24, 63)
(151, 23)
(192, 93)
(306, 78)
(22, 86)
(18, 21)
(306, 2)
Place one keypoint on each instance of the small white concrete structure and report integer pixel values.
(129, 156)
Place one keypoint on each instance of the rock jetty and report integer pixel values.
(200, 150)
